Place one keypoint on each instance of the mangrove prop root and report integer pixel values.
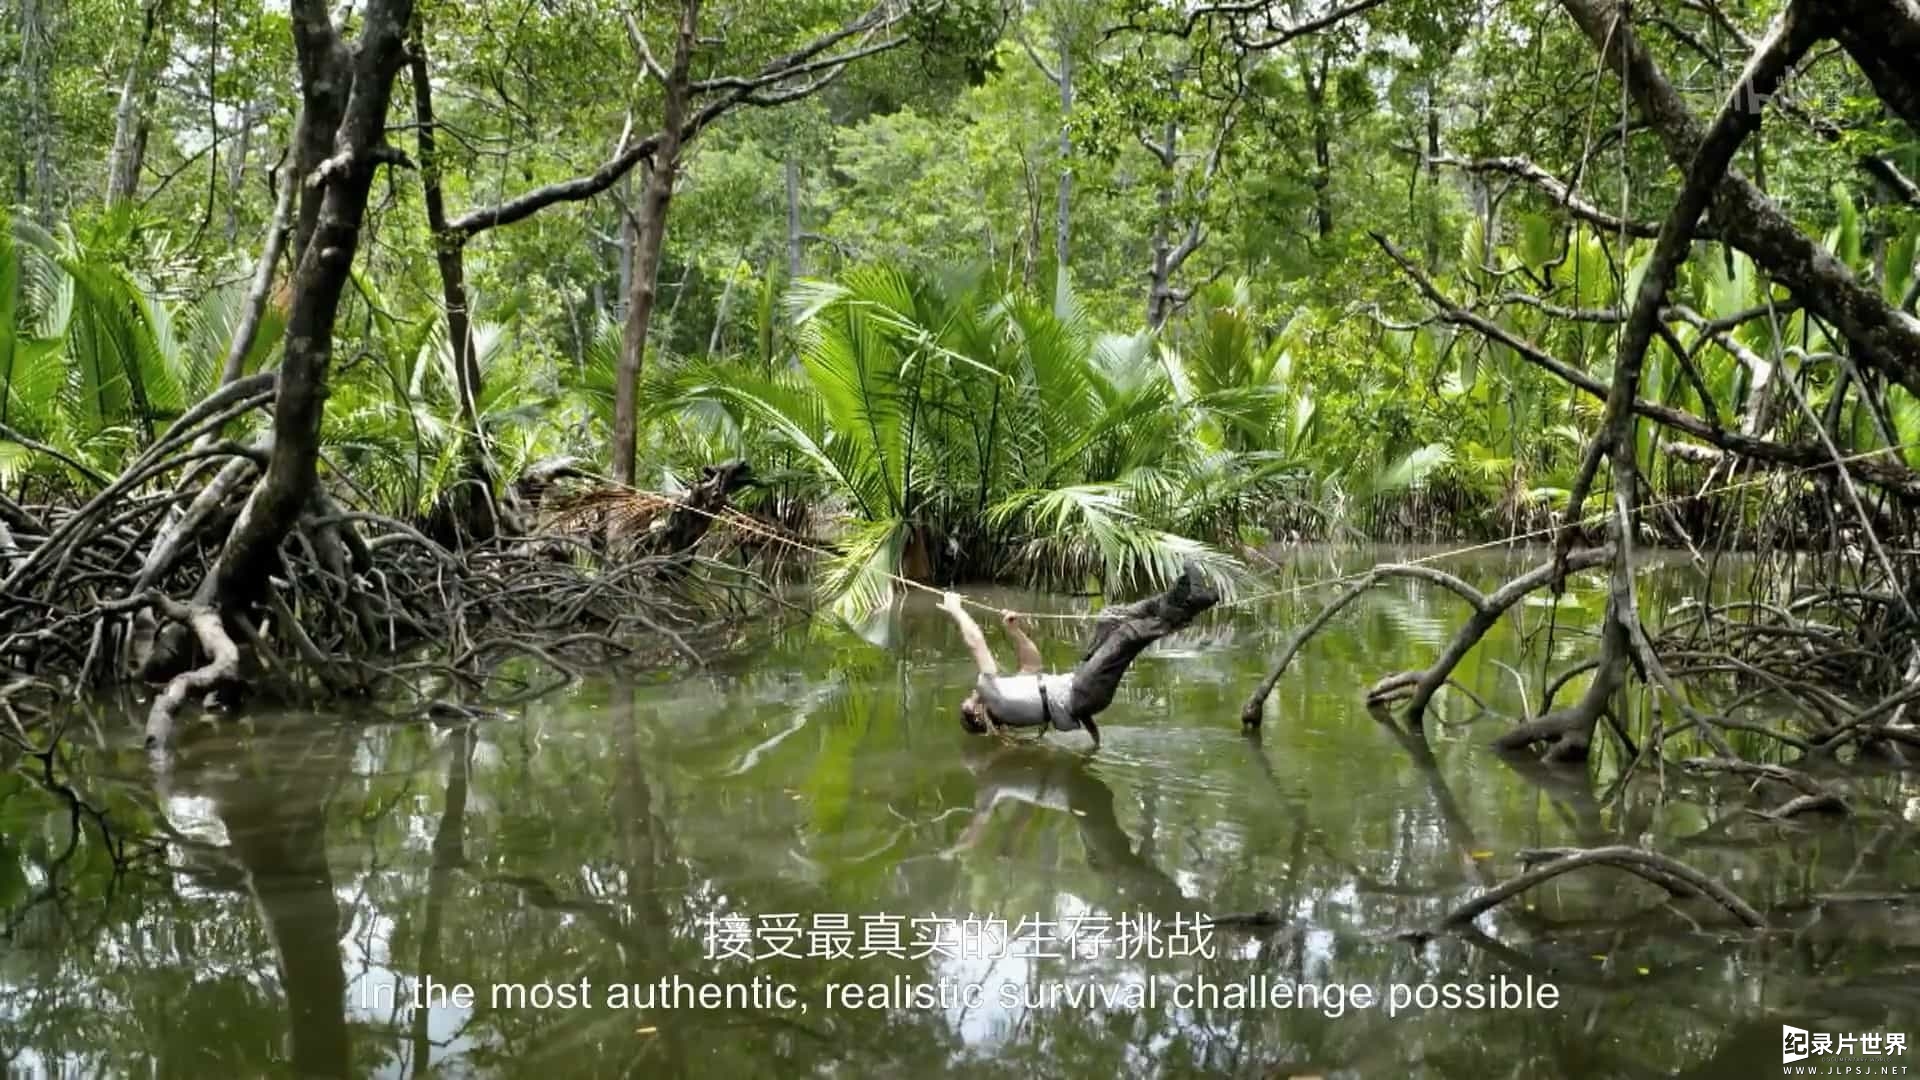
(1566, 733)
(116, 582)
(1662, 870)
(1812, 795)
(1486, 613)
(222, 668)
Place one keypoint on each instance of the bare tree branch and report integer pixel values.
(640, 49)
(738, 90)
(1556, 189)
(1885, 338)
(1311, 26)
(1662, 870)
(1881, 472)
(1052, 75)
(1234, 13)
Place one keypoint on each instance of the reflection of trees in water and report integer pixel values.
(273, 806)
(580, 870)
(224, 959)
(594, 841)
(449, 857)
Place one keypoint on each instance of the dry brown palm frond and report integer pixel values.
(629, 518)
(609, 511)
(735, 529)
(739, 523)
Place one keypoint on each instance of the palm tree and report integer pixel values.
(964, 432)
(92, 359)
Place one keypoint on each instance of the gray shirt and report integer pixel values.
(1028, 700)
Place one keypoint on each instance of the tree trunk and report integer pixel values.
(795, 258)
(336, 192)
(628, 241)
(1315, 79)
(449, 248)
(1160, 274)
(34, 183)
(1030, 232)
(130, 113)
(326, 66)
(725, 309)
(471, 504)
(650, 236)
(1433, 173)
(263, 272)
(1063, 196)
(237, 170)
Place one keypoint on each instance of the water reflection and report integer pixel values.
(273, 809)
(317, 873)
(1034, 780)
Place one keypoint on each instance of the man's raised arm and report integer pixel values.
(970, 630)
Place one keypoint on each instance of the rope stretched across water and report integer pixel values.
(747, 525)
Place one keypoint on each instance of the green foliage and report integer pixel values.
(395, 430)
(964, 431)
(962, 417)
(94, 359)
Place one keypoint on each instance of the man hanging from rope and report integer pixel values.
(1066, 702)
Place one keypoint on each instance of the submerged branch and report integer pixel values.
(1663, 870)
(1486, 612)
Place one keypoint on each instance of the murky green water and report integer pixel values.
(820, 793)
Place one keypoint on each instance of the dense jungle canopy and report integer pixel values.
(1066, 291)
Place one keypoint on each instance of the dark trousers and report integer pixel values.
(1123, 631)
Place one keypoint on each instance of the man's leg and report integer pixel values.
(1124, 631)
(1023, 646)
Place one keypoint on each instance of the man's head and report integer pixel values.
(973, 714)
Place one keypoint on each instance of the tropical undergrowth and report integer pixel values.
(129, 457)
(956, 431)
(955, 428)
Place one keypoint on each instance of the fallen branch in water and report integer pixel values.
(1661, 870)
(1425, 683)
(1812, 797)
